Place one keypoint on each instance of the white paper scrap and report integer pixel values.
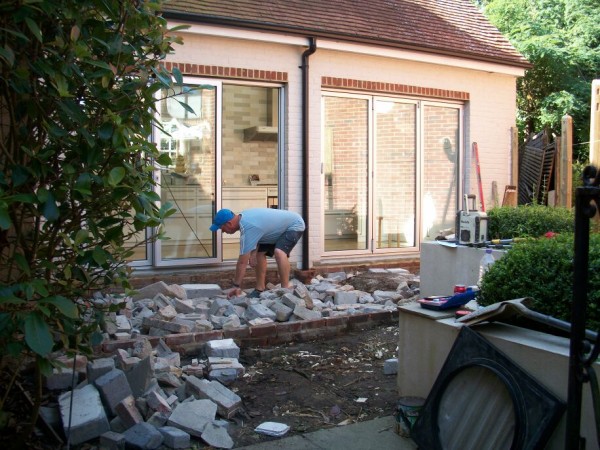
(272, 428)
(361, 399)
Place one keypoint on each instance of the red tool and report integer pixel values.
(476, 153)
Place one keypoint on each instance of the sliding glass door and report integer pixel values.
(441, 144)
(188, 118)
(223, 140)
(394, 176)
(346, 180)
(390, 172)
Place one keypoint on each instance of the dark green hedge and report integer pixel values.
(543, 270)
(528, 220)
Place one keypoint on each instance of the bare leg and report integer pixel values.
(283, 267)
(261, 270)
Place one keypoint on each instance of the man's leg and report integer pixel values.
(283, 267)
(283, 248)
(261, 270)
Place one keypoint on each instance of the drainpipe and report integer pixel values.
(305, 134)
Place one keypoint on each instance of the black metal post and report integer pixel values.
(585, 196)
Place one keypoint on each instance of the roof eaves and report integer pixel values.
(347, 37)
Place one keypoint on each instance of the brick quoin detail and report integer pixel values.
(227, 72)
(392, 88)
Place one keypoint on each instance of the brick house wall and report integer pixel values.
(486, 90)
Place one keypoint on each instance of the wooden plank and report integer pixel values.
(510, 196)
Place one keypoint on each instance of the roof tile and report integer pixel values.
(450, 27)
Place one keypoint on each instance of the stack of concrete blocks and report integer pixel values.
(125, 403)
(223, 364)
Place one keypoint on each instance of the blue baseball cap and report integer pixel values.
(221, 218)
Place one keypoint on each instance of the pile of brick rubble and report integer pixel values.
(142, 396)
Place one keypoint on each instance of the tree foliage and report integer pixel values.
(561, 38)
(78, 81)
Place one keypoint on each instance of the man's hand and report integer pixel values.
(234, 292)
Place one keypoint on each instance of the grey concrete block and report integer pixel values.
(174, 437)
(152, 290)
(143, 436)
(224, 370)
(337, 276)
(306, 314)
(165, 326)
(345, 298)
(291, 301)
(231, 322)
(259, 311)
(202, 290)
(168, 379)
(112, 441)
(203, 325)
(99, 367)
(383, 296)
(113, 387)
(221, 307)
(117, 425)
(282, 312)
(123, 324)
(142, 348)
(373, 308)
(158, 403)
(193, 416)
(140, 377)
(390, 366)
(216, 436)
(158, 419)
(227, 401)
(87, 416)
(167, 355)
(224, 375)
(222, 347)
(61, 379)
(177, 292)
(184, 306)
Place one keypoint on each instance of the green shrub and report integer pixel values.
(528, 220)
(543, 270)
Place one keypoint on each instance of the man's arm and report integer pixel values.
(240, 272)
(240, 268)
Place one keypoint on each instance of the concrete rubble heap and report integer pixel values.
(160, 309)
(142, 396)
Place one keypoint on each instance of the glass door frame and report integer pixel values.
(462, 158)
(417, 167)
(369, 185)
(156, 256)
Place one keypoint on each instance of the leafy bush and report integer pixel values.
(76, 163)
(543, 270)
(528, 221)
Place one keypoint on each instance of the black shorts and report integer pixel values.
(286, 242)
